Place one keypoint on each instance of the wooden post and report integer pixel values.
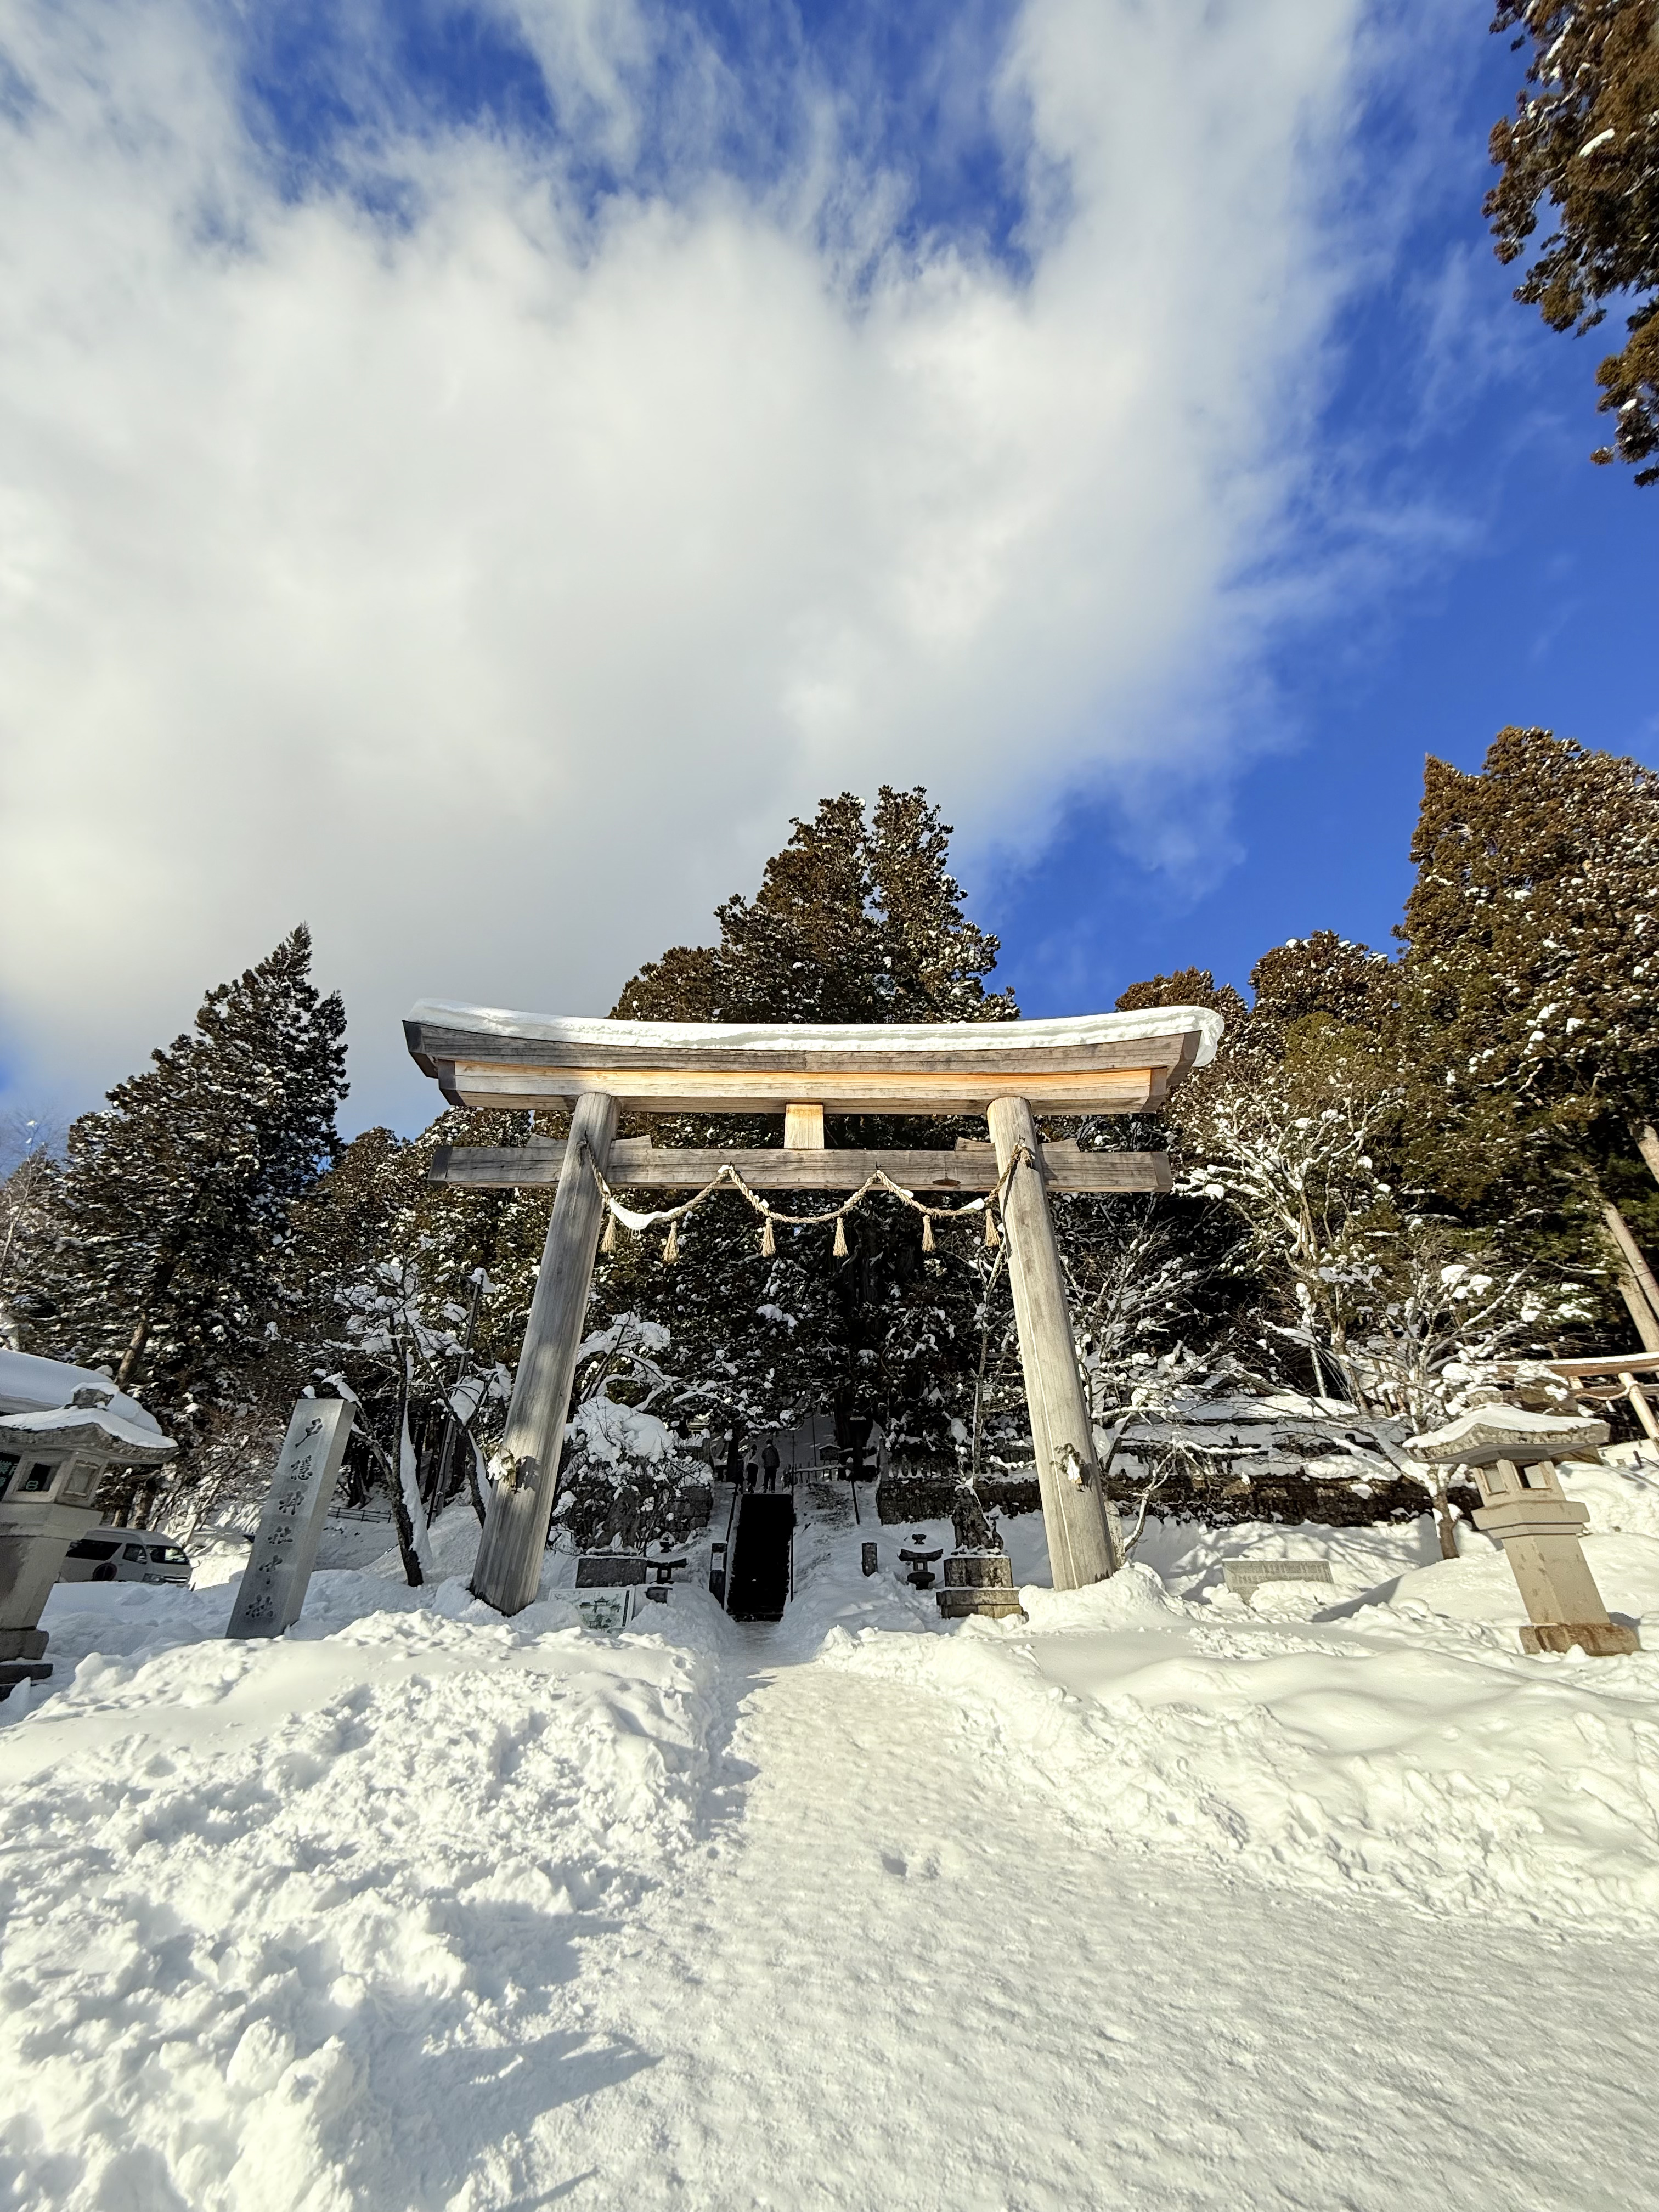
(509, 1563)
(1638, 1401)
(1636, 1282)
(1084, 1543)
(1647, 1143)
(803, 1127)
(1640, 1312)
(1633, 1251)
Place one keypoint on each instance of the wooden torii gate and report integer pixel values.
(1007, 1071)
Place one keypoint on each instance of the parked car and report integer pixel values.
(125, 1555)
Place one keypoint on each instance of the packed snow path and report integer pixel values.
(1147, 1904)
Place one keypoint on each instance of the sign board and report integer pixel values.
(609, 1570)
(1244, 1576)
(291, 1527)
(608, 1610)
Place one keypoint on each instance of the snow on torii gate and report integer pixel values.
(1007, 1071)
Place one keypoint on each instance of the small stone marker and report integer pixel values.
(869, 1552)
(1246, 1577)
(979, 1583)
(291, 1527)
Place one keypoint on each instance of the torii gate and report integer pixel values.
(1006, 1071)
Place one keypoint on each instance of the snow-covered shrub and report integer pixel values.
(1393, 1308)
(1209, 1439)
(629, 1479)
(397, 1355)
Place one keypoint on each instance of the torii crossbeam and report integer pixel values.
(1007, 1071)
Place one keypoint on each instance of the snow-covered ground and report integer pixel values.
(1156, 1899)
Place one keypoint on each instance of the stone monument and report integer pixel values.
(273, 1586)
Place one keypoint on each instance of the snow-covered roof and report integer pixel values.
(1486, 1433)
(491, 1056)
(1280, 1408)
(32, 1385)
(79, 1427)
(1081, 1032)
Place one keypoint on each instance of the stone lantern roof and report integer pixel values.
(84, 1424)
(30, 1384)
(1486, 1434)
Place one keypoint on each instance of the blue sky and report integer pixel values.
(469, 475)
(1528, 592)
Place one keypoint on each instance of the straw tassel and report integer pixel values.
(671, 1250)
(841, 1237)
(927, 1232)
(991, 1237)
(768, 1242)
(608, 1242)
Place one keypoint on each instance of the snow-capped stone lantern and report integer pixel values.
(51, 1461)
(1513, 1452)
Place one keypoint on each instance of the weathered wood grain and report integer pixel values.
(803, 1127)
(637, 1164)
(513, 1087)
(508, 1567)
(1083, 1545)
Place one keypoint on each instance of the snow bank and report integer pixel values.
(1622, 1494)
(273, 1908)
(1409, 1748)
(417, 1908)
(1480, 1585)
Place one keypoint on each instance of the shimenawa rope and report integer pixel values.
(728, 1178)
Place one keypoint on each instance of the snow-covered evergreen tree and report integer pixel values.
(1532, 933)
(1529, 990)
(28, 1199)
(1584, 141)
(1359, 1278)
(858, 919)
(172, 1214)
(1387, 1302)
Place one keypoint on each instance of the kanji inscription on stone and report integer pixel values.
(291, 1527)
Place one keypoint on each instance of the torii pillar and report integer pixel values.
(1085, 1544)
(508, 1569)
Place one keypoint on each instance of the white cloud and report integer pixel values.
(490, 592)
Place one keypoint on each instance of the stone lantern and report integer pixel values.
(51, 1464)
(1513, 1452)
